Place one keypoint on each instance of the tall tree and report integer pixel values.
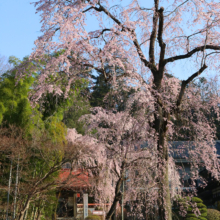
(4, 65)
(151, 39)
(15, 107)
(99, 91)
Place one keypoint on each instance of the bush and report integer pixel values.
(202, 209)
(202, 218)
(213, 214)
(191, 215)
(93, 217)
(197, 200)
(185, 202)
(191, 218)
(195, 218)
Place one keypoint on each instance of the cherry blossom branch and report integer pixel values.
(198, 32)
(103, 31)
(139, 158)
(211, 54)
(140, 53)
(176, 8)
(135, 41)
(144, 41)
(144, 9)
(92, 7)
(189, 54)
(103, 9)
(201, 31)
(186, 82)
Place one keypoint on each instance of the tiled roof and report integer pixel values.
(73, 179)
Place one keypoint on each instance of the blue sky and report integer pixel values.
(20, 26)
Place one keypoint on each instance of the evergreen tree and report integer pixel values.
(99, 91)
(79, 107)
(109, 96)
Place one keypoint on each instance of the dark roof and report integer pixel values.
(180, 149)
(218, 147)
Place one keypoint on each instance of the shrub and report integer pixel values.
(190, 214)
(202, 218)
(197, 200)
(93, 217)
(213, 214)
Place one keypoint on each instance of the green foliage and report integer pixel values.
(100, 90)
(43, 136)
(192, 218)
(14, 104)
(197, 200)
(80, 106)
(49, 206)
(185, 202)
(202, 218)
(104, 95)
(213, 214)
(191, 215)
(39, 160)
(201, 206)
(93, 217)
(15, 107)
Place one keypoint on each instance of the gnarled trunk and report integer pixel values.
(117, 198)
(118, 194)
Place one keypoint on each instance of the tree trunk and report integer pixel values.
(117, 198)
(38, 213)
(9, 188)
(22, 212)
(118, 194)
(26, 212)
(16, 188)
(35, 212)
(32, 213)
(164, 203)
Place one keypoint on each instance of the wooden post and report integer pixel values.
(74, 205)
